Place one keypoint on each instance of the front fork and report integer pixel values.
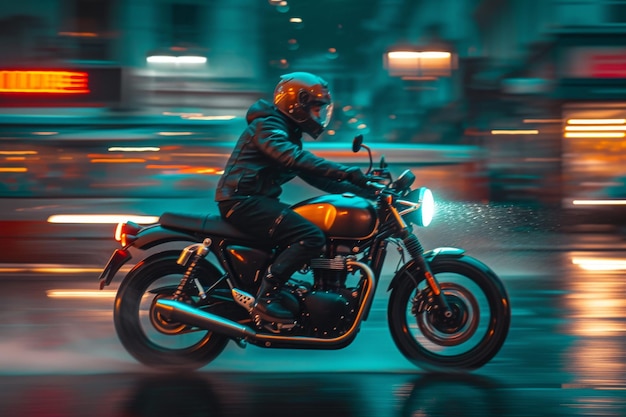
(414, 247)
(416, 251)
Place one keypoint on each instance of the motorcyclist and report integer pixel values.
(268, 154)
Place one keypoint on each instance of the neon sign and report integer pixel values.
(49, 82)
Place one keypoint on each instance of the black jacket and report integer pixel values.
(269, 153)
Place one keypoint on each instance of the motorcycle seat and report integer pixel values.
(209, 224)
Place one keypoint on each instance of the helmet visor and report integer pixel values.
(321, 113)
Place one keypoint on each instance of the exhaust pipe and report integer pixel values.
(184, 313)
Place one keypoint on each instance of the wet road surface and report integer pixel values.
(565, 354)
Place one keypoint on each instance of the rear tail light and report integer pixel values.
(126, 232)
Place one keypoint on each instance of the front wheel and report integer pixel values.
(469, 337)
(151, 338)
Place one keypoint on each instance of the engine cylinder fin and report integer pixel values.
(337, 263)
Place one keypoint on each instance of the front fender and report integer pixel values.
(429, 256)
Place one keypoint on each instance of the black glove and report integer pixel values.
(357, 177)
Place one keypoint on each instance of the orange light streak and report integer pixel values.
(56, 82)
(117, 161)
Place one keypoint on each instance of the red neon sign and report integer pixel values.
(54, 82)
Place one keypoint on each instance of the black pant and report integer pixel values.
(298, 240)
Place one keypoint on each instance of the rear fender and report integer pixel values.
(147, 238)
(152, 236)
(412, 268)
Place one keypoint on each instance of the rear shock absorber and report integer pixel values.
(196, 252)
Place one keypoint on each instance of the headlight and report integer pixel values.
(418, 207)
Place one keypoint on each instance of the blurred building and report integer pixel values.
(516, 73)
(551, 74)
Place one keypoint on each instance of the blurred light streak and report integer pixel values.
(167, 167)
(53, 269)
(295, 20)
(13, 169)
(117, 161)
(595, 121)
(45, 133)
(595, 128)
(175, 133)
(418, 55)
(201, 117)
(101, 218)
(201, 170)
(595, 135)
(599, 202)
(600, 264)
(134, 149)
(18, 152)
(542, 121)
(515, 132)
(169, 59)
(193, 155)
(15, 158)
(79, 34)
(81, 293)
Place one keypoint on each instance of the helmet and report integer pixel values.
(305, 99)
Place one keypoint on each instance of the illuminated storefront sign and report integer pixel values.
(60, 87)
(595, 62)
(50, 82)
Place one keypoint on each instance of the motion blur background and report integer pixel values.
(488, 101)
(512, 111)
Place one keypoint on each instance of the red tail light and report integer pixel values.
(126, 232)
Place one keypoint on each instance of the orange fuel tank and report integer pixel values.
(340, 216)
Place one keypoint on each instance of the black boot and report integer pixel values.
(268, 301)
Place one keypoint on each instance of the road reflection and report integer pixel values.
(596, 312)
(173, 395)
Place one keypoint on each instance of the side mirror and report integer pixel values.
(356, 143)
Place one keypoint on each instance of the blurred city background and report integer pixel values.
(512, 111)
(128, 102)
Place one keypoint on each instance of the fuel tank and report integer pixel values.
(341, 216)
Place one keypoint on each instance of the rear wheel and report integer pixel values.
(468, 338)
(150, 337)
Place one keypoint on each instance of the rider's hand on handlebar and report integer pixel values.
(357, 177)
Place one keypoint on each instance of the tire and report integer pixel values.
(146, 335)
(478, 329)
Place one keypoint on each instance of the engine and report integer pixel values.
(330, 306)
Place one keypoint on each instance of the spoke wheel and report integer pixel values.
(149, 336)
(474, 332)
(460, 326)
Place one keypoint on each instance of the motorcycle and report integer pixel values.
(181, 305)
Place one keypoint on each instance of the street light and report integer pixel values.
(418, 65)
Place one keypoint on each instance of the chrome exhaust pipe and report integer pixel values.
(184, 313)
(176, 310)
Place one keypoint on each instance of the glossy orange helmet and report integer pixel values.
(305, 99)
